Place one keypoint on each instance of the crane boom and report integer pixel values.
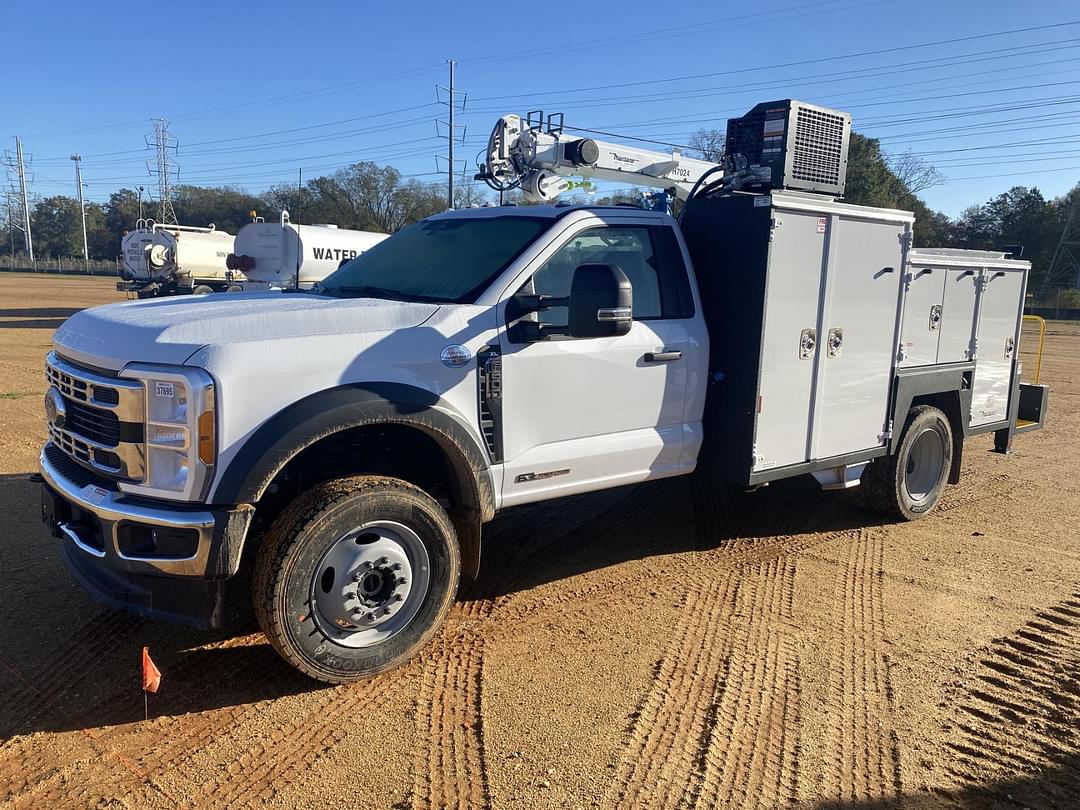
(540, 160)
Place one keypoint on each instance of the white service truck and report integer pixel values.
(167, 259)
(284, 256)
(348, 445)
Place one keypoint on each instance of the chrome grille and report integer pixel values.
(103, 425)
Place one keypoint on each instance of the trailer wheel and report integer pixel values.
(355, 576)
(202, 289)
(910, 483)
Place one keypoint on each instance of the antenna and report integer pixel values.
(452, 106)
(164, 168)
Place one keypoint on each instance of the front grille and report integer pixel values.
(76, 474)
(102, 427)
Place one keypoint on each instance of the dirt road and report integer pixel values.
(645, 647)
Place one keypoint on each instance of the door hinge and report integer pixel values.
(886, 434)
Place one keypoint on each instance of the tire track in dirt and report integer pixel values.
(1012, 733)
(863, 762)
(718, 727)
(449, 767)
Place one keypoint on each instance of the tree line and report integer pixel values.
(367, 196)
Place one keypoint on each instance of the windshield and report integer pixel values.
(448, 260)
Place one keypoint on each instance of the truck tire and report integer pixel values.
(910, 483)
(355, 576)
(202, 289)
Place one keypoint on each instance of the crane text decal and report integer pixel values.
(630, 161)
(333, 253)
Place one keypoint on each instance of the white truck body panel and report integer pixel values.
(979, 296)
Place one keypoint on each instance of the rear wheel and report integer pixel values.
(202, 289)
(910, 483)
(355, 577)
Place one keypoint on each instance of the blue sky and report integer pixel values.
(256, 91)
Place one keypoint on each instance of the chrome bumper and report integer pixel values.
(111, 510)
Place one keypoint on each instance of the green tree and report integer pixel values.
(56, 226)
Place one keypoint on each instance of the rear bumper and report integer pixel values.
(158, 561)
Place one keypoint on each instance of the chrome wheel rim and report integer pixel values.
(370, 584)
(924, 464)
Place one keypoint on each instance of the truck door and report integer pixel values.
(584, 414)
(1000, 301)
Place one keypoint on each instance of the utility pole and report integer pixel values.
(452, 106)
(164, 168)
(16, 165)
(141, 190)
(82, 208)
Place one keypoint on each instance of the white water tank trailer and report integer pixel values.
(276, 253)
(176, 258)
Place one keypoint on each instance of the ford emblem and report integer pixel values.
(55, 411)
(455, 356)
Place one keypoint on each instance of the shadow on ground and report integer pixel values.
(86, 674)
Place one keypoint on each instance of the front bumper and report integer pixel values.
(111, 545)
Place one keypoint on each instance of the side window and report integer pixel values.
(649, 256)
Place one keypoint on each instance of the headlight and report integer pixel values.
(180, 436)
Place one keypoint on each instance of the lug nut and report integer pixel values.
(399, 598)
(383, 561)
(395, 567)
(401, 581)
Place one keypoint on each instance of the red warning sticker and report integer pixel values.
(821, 224)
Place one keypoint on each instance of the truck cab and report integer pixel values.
(348, 444)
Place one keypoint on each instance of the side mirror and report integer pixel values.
(601, 302)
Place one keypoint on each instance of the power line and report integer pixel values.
(799, 63)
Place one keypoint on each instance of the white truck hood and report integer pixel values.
(170, 330)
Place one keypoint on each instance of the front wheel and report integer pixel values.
(355, 577)
(910, 483)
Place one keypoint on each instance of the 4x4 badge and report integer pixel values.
(455, 356)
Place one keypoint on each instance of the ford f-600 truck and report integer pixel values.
(348, 445)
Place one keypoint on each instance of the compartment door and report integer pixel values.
(790, 341)
(998, 336)
(958, 316)
(922, 317)
(858, 346)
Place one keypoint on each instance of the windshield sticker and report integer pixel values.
(164, 389)
(455, 356)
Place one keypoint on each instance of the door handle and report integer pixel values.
(662, 357)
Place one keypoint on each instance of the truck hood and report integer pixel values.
(170, 330)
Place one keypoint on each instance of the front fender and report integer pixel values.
(286, 434)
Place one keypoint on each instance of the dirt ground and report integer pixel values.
(643, 647)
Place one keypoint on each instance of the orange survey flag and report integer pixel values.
(151, 675)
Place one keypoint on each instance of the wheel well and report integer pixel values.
(396, 450)
(948, 402)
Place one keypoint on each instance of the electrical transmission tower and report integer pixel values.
(452, 106)
(164, 168)
(1065, 267)
(18, 199)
